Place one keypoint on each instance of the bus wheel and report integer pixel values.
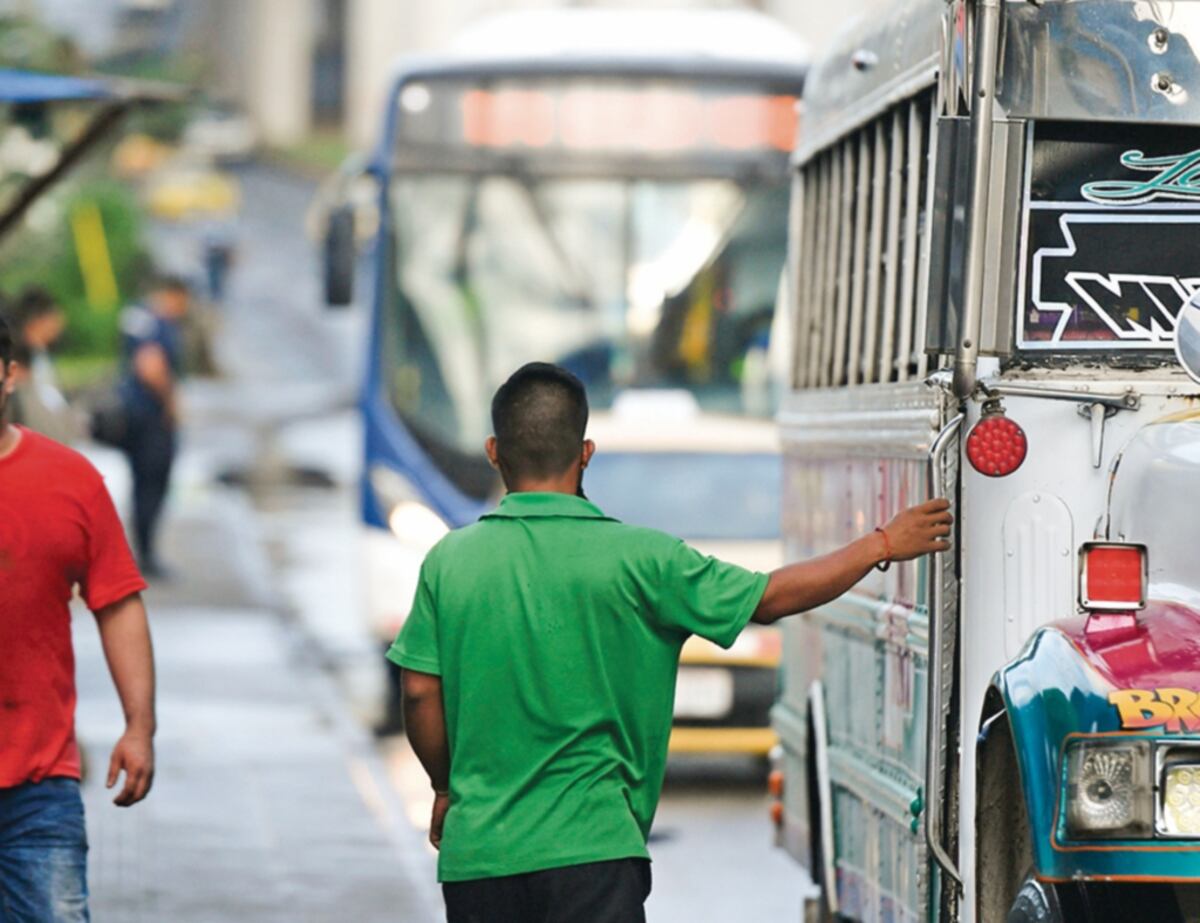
(816, 908)
(1037, 902)
(815, 911)
(1094, 902)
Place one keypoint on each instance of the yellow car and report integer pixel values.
(182, 192)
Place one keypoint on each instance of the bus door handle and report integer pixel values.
(935, 719)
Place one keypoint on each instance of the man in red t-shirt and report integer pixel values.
(59, 530)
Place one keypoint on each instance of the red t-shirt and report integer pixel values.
(58, 528)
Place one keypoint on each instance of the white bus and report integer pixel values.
(996, 221)
(606, 190)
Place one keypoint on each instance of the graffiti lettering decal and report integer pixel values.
(1107, 294)
(1177, 177)
(1173, 710)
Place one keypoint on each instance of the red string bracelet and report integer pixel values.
(887, 549)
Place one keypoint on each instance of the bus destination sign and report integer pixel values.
(655, 118)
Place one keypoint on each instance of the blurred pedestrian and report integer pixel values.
(219, 252)
(540, 660)
(153, 347)
(58, 528)
(38, 322)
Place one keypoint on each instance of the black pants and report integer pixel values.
(596, 892)
(150, 446)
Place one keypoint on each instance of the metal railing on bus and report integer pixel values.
(935, 739)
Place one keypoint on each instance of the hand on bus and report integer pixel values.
(804, 585)
(919, 530)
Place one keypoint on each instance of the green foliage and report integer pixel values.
(163, 122)
(27, 45)
(44, 253)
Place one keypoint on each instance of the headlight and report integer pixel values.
(1181, 800)
(1179, 796)
(410, 520)
(416, 524)
(1110, 789)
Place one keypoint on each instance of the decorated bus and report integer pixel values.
(996, 216)
(606, 190)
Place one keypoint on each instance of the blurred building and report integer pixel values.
(299, 65)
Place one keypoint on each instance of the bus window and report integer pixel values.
(637, 283)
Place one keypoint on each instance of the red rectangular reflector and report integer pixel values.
(1114, 576)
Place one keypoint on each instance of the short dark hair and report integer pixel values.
(539, 417)
(170, 282)
(33, 303)
(6, 344)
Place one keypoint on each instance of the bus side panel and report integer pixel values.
(853, 459)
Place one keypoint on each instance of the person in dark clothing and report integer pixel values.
(153, 348)
(218, 258)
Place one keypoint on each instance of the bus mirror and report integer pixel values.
(340, 256)
(1187, 336)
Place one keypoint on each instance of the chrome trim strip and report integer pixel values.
(976, 253)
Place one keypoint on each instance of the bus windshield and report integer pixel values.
(629, 283)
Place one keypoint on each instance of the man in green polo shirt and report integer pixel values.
(539, 668)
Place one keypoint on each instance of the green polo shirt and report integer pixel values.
(556, 631)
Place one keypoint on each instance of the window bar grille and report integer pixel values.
(829, 296)
(821, 239)
(846, 223)
(872, 308)
(891, 267)
(794, 287)
(862, 198)
(807, 313)
(914, 166)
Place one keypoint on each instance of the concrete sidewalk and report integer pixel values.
(270, 802)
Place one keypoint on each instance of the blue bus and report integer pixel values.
(606, 190)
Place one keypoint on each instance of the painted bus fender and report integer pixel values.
(1143, 682)
(1050, 691)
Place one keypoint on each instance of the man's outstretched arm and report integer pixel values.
(125, 635)
(805, 585)
(425, 725)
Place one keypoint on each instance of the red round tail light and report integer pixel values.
(996, 445)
